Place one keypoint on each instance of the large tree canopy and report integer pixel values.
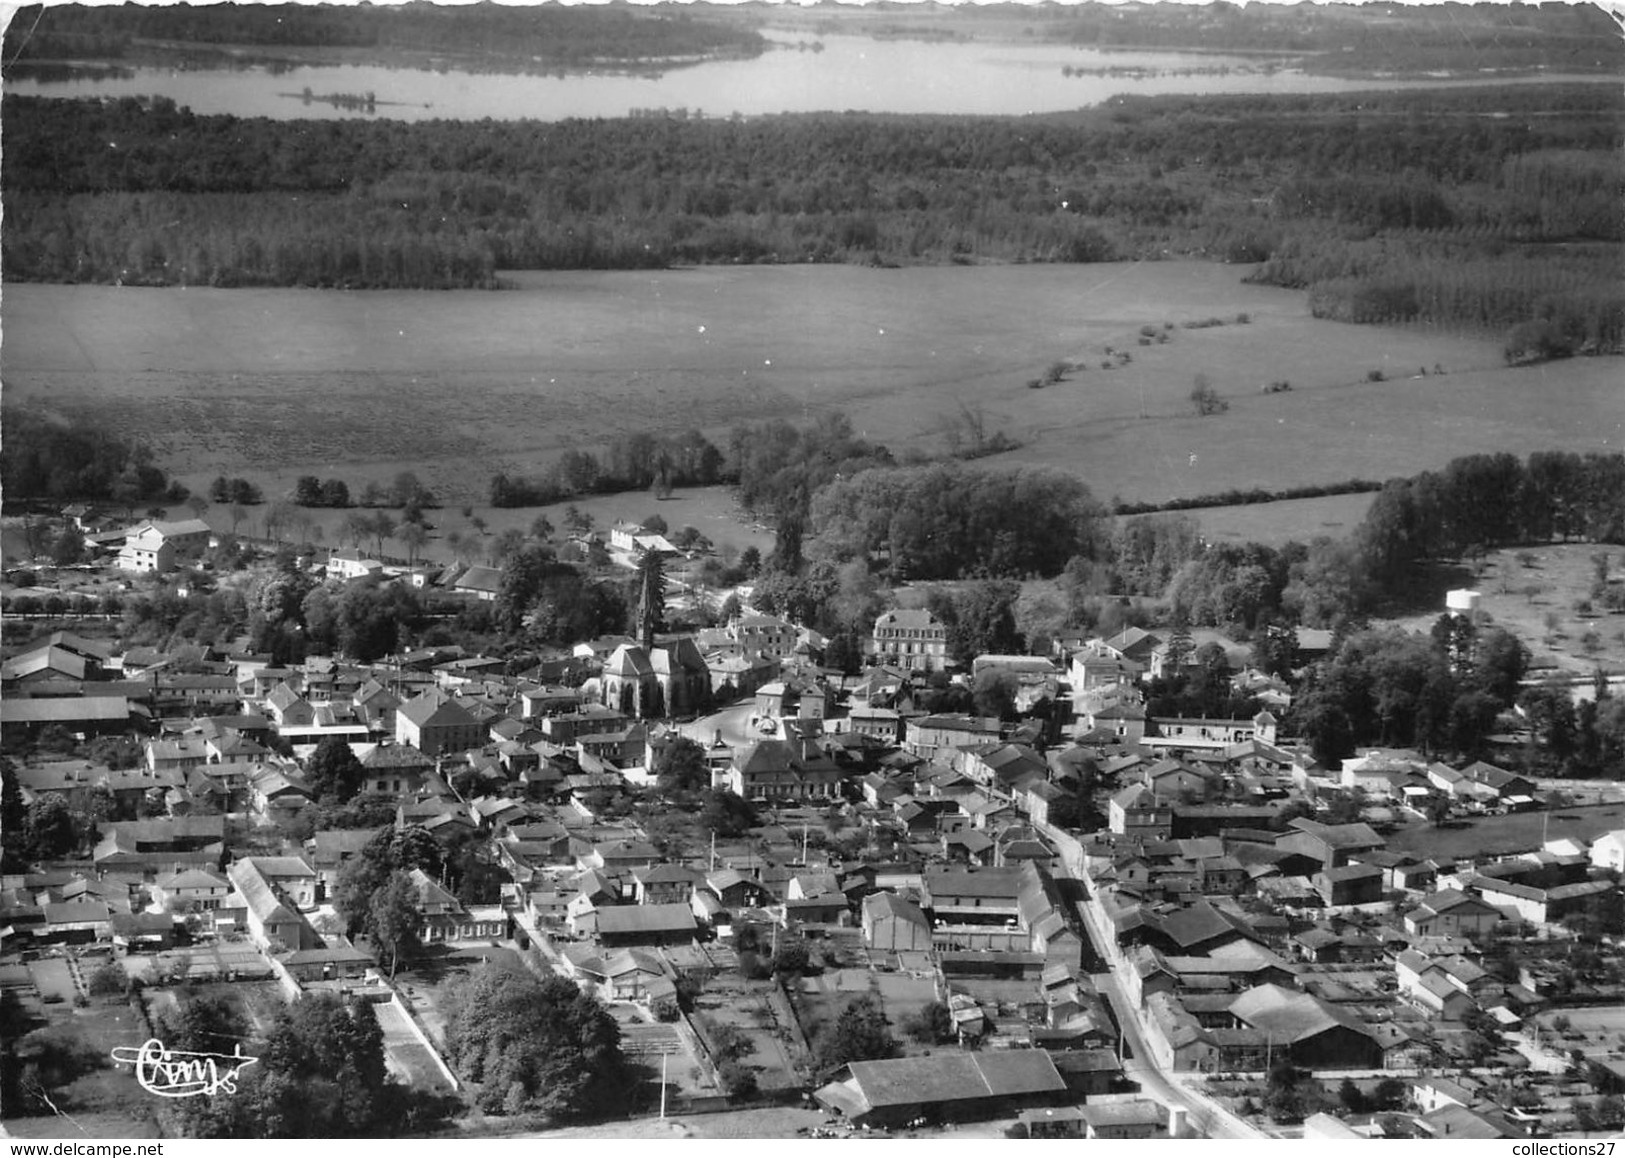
(532, 1045)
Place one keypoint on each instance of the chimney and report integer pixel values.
(1177, 1126)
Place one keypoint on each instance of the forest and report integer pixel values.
(1478, 209)
(1341, 39)
(45, 460)
(496, 37)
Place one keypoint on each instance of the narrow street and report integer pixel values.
(1206, 1116)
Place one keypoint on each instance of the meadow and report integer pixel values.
(1504, 835)
(275, 383)
(1541, 595)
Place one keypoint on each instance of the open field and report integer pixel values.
(53, 979)
(456, 385)
(105, 1102)
(1335, 516)
(1501, 835)
(405, 1055)
(1521, 587)
(727, 1001)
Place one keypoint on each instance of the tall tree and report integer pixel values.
(397, 919)
(860, 1033)
(335, 773)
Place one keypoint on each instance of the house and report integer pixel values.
(329, 850)
(797, 697)
(1316, 1034)
(482, 583)
(271, 787)
(1542, 906)
(274, 923)
(934, 737)
(1354, 884)
(884, 725)
(348, 563)
(1460, 1123)
(77, 921)
(894, 924)
(143, 932)
(1452, 913)
(155, 847)
(1135, 811)
(735, 890)
(147, 552)
(1053, 1122)
(763, 635)
(434, 723)
(914, 640)
(333, 963)
(948, 1086)
(1331, 845)
(190, 890)
(621, 926)
(783, 770)
(664, 884)
(445, 918)
(1608, 851)
(395, 770)
(739, 675)
(1129, 1119)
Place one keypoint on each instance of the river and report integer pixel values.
(845, 73)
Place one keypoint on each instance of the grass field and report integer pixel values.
(1513, 833)
(405, 1055)
(1534, 592)
(455, 385)
(105, 1102)
(1335, 516)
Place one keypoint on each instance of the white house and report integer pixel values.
(1608, 851)
(147, 551)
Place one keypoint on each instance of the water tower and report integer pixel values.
(1462, 602)
(1462, 606)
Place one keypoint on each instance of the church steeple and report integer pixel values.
(651, 599)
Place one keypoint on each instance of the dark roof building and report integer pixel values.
(950, 1085)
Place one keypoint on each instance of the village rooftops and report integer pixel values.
(955, 1077)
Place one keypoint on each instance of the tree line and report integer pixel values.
(61, 461)
(524, 38)
(1483, 501)
(641, 460)
(949, 519)
(1445, 36)
(1467, 189)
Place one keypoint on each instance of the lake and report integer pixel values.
(848, 73)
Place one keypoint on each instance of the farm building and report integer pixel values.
(1318, 1034)
(892, 923)
(949, 1086)
(622, 926)
(1452, 913)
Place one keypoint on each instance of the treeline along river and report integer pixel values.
(1476, 208)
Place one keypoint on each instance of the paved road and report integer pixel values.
(1206, 1115)
(1209, 1118)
